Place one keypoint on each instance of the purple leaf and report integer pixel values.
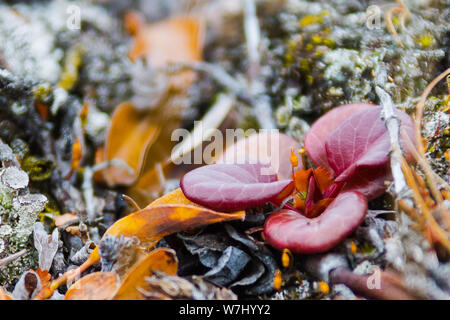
(320, 130)
(290, 229)
(352, 141)
(231, 187)
(362, 141)
(273, 148)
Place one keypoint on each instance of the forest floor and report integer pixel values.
(67, 66)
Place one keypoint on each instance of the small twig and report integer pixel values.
(252, 36)
(131, 201)
(261, 101)
(404, 206)
(11, 258)
(393, 126)
(429, 174)
(421, 107)
(390, 25)
(437, 231)
(405, 176)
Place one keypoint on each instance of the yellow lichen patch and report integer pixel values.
(316, 39)
(309, 20)
(426, 41)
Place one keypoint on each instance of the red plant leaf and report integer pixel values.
(230, 187)
(352, 141)
(321, 129)
(288, 229)
(273, 148)
(362, 141)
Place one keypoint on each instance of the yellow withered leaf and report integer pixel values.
(94, 286)
(162, 259)
(150, 225)
(142, 138)
(174, 197)
(131, 133)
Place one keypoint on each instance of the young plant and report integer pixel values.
(350, 147)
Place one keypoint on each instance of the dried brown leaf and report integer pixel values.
(94, 286)
(163, 260)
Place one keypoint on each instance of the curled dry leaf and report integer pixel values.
(162, 260)
(229, 187)
(94, 286)
(265, 147)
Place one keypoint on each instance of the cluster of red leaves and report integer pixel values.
(349, 145)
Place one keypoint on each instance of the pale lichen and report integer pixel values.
(19, 210)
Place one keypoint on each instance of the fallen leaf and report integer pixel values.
(265, 147)
(229, 187)
(151, 224)
(288, 229)
(162, 259)
(129, 138)
(94, 286)
(149, 184)
(142, 138)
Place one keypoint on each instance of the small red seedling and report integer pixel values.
(349, 145)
